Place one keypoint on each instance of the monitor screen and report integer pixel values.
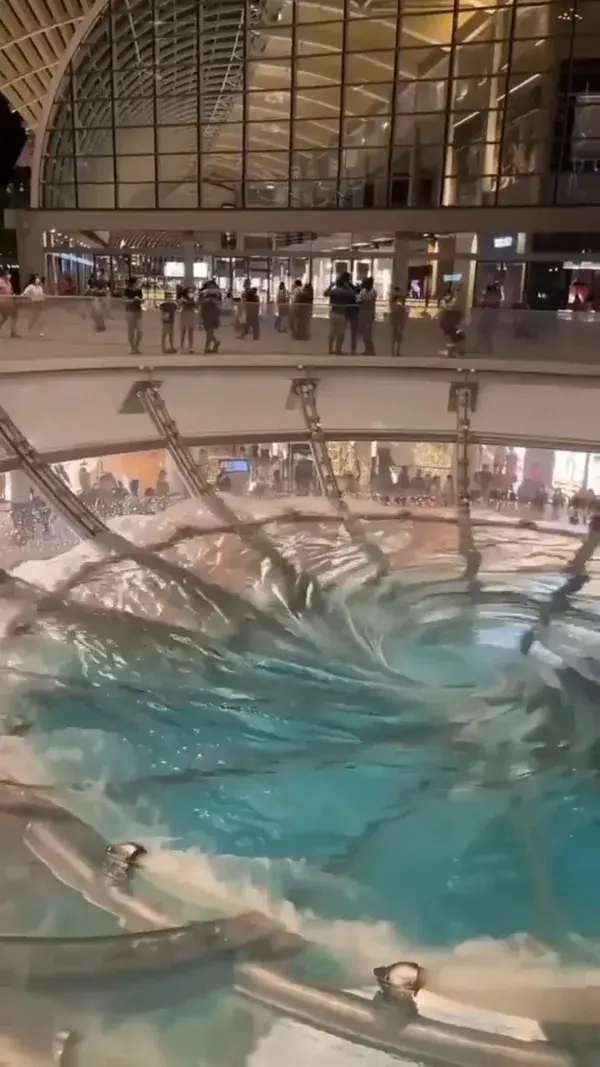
(235, 466)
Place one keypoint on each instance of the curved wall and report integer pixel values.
(79, 412)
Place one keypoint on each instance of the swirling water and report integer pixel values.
(388, 772)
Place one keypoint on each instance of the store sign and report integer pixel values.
(503, 242)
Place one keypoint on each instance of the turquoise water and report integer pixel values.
(408, 765)
(392, 774)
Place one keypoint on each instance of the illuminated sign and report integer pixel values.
(503, 242)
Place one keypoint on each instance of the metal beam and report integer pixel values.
(84, 522)
(305, 390)
(579, 218)
(300, 590)
(577, 577)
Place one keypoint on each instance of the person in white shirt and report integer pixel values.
(366, 299)
(34, 292)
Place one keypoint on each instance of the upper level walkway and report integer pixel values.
(72, 328)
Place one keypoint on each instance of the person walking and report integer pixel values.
(134, 302)
(252, 321)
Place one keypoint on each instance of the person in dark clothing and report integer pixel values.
(134, 299)
(342, 299)
(210, 313)
(252, 305)
(187, 304)
(168, 310)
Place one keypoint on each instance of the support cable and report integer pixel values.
(306, 391)
(300, 588)
(466, 544)
(559, 601)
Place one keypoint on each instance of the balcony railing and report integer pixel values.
(80, 326)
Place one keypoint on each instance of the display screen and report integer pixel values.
(235, 466)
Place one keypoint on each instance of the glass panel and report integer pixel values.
(321, 40)
(371, 35)
(319, 103)
(58, 196)
(415, 28)
(178, 195)
(266, 194)
(266, 165)
(216, 166)
(60, 143)
(94, 143)
(273, 104)
(318, 70)
(174, 139)
(176, 168)
(229, 137)
(278, 40)
(315, 165)
(94, 169)
(96, 196)
(370, 132)
(322, 132)
(374, 67)
(128, 113)
(269, 74)
(368, 100)
(308, 11)
(414, 97)
(134, 168)
(313, 194)
(261, 136)
(177, 110)
(136, 195)
(136, 141)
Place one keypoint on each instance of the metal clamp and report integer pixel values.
(65, 1047)
(400, 981)
(122, 860)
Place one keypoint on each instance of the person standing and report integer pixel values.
(134, 302)
(187, 305)
(34, 292)
(283, 309)
(252, 323)
(8, 304)
(168, 310)
(366, 300)
(398, 320)
(210, 314)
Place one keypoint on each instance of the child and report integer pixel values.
(167, 308)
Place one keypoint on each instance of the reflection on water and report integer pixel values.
(389, 772)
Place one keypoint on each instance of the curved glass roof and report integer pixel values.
(301, 103)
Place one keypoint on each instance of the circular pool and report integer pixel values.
(393, 771)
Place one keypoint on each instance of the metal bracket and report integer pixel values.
(458, 387)
(299, 587)
(122, 860)
(65, 1047)
(133, 403)
(305, 390)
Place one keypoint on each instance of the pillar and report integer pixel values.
(189, 256)
(30, 247)
(176, 482)
(401, 262)
(17, 488)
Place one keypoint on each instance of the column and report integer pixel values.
(30, 246)
(401, 262)
(176, 482)
(465, 264)
(189, 255)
